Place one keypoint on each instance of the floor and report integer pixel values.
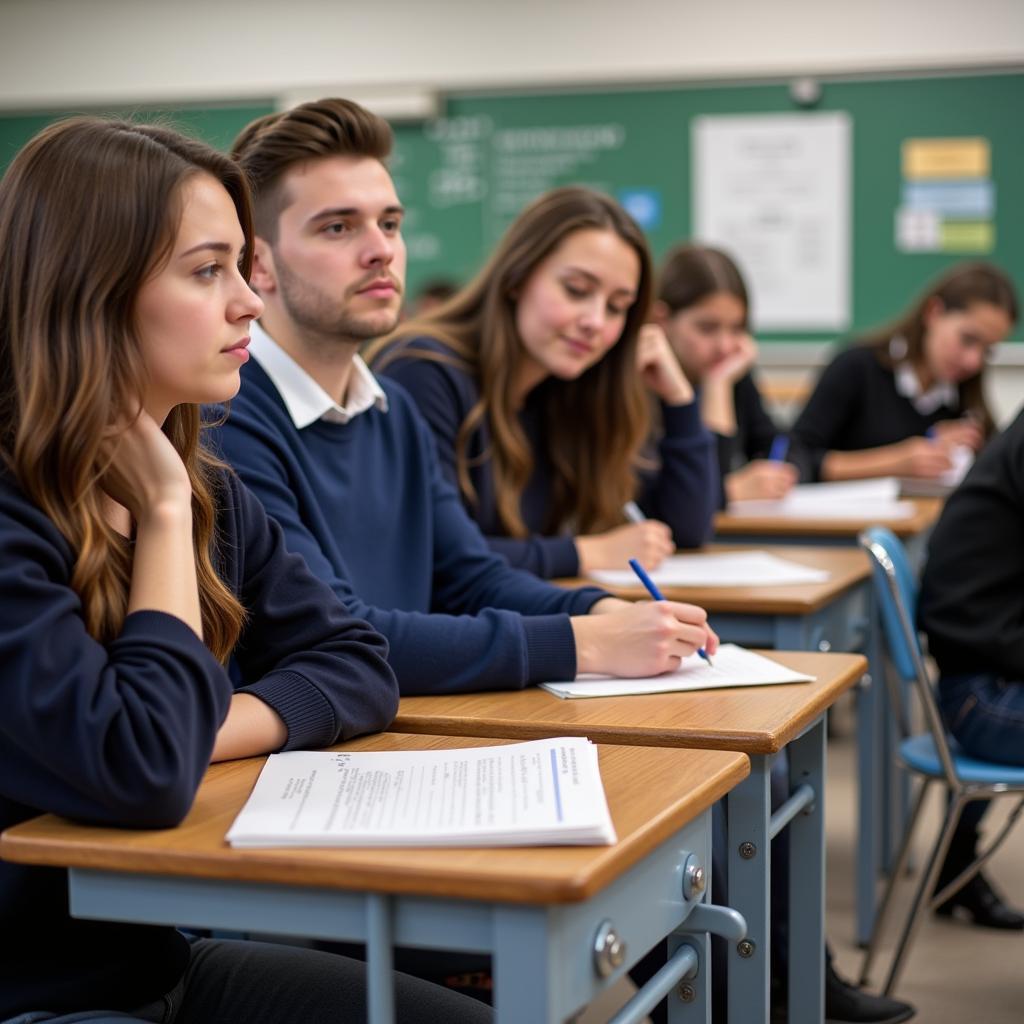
(956, 973)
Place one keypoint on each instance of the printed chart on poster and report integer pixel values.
(774, 191)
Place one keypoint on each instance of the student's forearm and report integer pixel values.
(252, 727)
(164, 566)
(717, 407)
(858, 465)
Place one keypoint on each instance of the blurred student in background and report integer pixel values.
(538, 380)
(902, 400)
(703, 308)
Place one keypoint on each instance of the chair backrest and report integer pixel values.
(896, 591)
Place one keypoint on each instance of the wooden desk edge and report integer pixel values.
(749, 743)
(24, 844)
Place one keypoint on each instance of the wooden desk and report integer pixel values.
(758, 722)
(751, 529)
(832, 616)
(884, 794)
(537, 910)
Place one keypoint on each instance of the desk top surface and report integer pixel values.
(753, 719)
(652, 793)
(926, 512)
(847, 567)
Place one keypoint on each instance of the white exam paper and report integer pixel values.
(543, 792)
(845, 499)
(728, 569)
(733, 666)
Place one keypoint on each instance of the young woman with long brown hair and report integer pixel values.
(538, 378)
(132, 564)
(702, 306)
(898, 403)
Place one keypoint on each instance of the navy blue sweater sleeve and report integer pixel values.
(323, 671)
(116, 735)
(480, 641)
(683, 491)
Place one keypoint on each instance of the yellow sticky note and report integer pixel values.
(946, 158)
(967, 236)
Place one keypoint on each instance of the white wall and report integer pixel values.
(59, 52)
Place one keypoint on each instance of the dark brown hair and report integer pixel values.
(692, 273)
(961, 286)
(269, 146)
(596, 425)
(88, 212)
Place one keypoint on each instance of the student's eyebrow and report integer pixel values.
(213, 246)
(351, 211)
(596, 280)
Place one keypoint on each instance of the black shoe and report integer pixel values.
(848, 1004)
(983, 905)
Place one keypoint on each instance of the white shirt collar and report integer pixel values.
(942, 393)
(305, 400)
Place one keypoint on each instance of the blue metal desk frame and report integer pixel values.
(850, 624)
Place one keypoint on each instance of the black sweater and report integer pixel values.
(755, 431)
(121, 735)
(972, 591)
(855, 405)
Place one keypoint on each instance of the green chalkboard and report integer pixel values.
(217, 125)
(464, 178)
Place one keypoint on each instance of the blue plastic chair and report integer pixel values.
(930, 754)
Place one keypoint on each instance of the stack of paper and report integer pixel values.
(541, 793)
(730, 569)
(847, 499)
(733, 666)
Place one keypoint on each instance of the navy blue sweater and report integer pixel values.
(121, 735)
(682, 492)
(365, 503)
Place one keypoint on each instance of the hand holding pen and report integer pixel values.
(655, 593)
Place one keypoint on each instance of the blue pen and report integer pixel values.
(779, 449)
(652, 589)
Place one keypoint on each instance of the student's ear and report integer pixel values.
(933, 308)
(264, 276)
(660, 314)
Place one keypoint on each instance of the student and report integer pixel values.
(898, 403)
(132, 565)
(537, 380)
(972, 609)
(703, 309)
(348, 467)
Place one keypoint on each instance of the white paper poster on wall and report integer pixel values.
(774, 191)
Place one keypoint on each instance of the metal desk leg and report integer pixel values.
(872, 771)
(749, 961)
(522, 968)
(807, 881)
(380, 959)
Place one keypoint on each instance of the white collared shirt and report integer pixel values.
(305, 400)
(942, 393)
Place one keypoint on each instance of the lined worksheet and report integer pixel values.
(543, 792)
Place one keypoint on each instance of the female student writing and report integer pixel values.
(899, 403)
(132, 565)
(537, 381)
(703, 308)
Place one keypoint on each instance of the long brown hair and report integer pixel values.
(88, 212)
(957, 289)
(691, 273)
(596, 425)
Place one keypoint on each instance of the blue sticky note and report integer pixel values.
(643, 205)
